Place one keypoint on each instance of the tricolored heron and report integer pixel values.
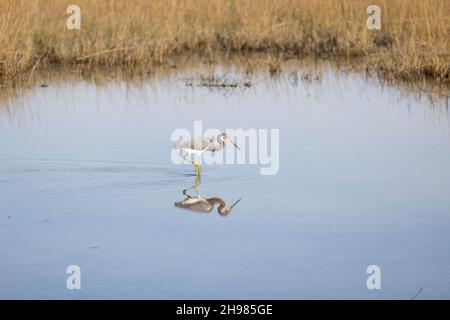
(199, 204)
(199, 146)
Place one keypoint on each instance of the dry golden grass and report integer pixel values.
(412, 45)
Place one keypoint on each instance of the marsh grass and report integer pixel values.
(140, 35)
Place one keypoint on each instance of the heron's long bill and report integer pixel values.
(234, 144)
(234, 204)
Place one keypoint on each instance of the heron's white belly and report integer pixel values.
(192, 151)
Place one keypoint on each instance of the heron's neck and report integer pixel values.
(214, 201)
(221, 140)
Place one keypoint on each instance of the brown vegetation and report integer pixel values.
(414, 43)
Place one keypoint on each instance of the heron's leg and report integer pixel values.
(198, 168)
(186, 159)
(196, 165)
(198, 182)
(186, 194)
(196, 186)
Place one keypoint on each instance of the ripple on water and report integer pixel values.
(53, 175)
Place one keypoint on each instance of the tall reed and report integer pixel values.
(412, 45)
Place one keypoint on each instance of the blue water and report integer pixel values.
(86, 179)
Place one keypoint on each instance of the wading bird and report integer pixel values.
(199, 146)
(199, 204)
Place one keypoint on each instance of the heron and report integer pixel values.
(200, 146)
(200, 204)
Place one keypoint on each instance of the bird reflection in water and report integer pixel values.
(199, 204)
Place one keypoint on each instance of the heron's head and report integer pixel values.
(227, 210)
(226, 138)
(178, 204)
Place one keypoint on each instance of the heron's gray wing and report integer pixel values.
(195, 144)
(195, 204)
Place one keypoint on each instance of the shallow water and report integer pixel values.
(86, 179)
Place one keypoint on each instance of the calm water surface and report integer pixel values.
(86, 178)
